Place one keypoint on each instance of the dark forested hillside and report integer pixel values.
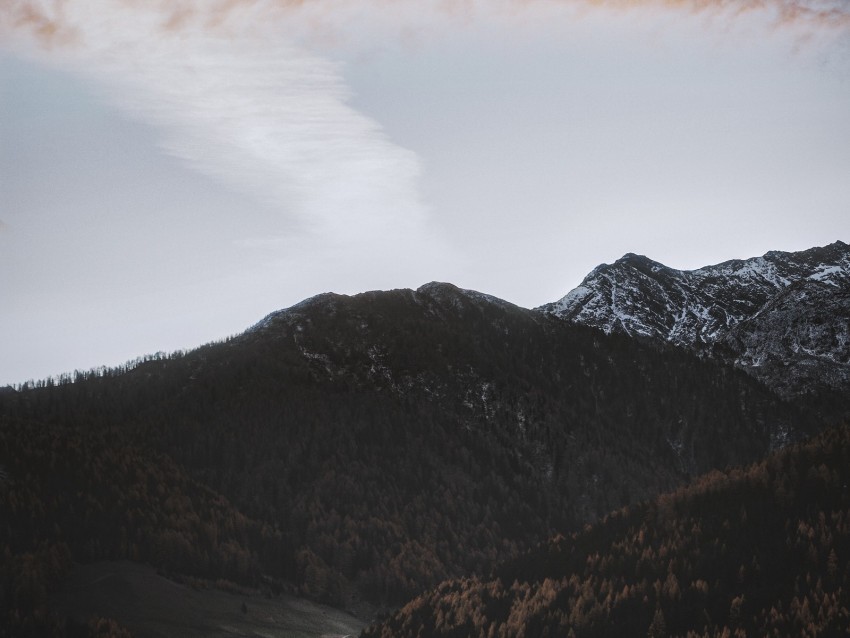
(72, 494)
(763, 551)
(387, 441)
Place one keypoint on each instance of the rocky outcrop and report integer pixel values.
(783, 317)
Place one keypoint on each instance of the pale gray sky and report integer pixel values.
(170, 173)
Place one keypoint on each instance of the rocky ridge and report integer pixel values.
(783, 317)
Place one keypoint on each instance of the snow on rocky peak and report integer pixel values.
(764, 314)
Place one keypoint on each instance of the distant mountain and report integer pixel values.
(761, 551)
(386, 441)
(783, 317)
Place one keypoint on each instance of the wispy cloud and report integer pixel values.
(236, 98)
(238, 95)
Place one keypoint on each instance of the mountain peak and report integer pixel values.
(444, 291)
(634, 258)
(641, 263)
(780, 307)
(438, 287)
(437, 293)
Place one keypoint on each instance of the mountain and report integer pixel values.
(380, 443)
(760, 551)
(783, 317)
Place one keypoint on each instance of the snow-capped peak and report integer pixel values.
(781, 307)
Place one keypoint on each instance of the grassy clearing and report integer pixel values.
(152, 606)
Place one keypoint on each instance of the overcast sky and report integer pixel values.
(171, 171)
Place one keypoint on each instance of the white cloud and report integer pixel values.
(237, 95)
(242, 102)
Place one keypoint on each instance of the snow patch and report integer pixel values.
(825, 274)
(571, 300)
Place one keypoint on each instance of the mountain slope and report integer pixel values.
(393, 439)
(69, 494)
(783, 317)
(757, 552)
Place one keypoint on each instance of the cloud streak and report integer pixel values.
(238, 95)
(821, 13)
(238, 100)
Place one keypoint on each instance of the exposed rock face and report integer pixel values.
(784, 317)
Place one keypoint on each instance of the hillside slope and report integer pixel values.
(394, 439)
(756, 552)
(69, 494)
